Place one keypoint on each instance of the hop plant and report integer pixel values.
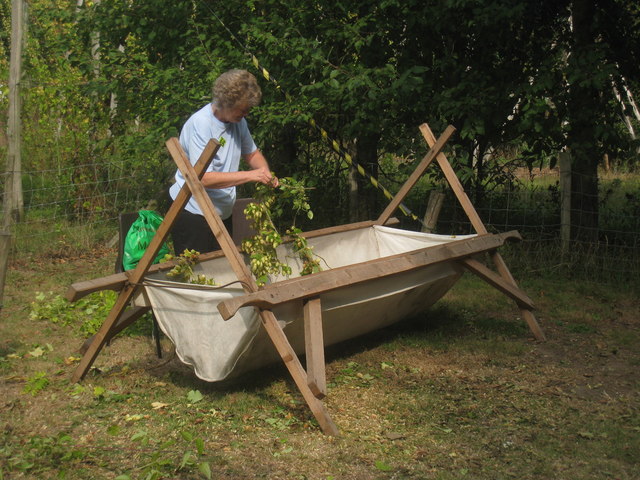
(261, 248)
(183, 270)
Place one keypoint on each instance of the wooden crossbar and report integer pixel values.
(336, 278)
(117, 281)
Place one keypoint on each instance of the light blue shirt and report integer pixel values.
(235, 142)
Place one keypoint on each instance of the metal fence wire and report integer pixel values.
(76, 208)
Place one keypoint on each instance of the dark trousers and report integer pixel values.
(191, 232)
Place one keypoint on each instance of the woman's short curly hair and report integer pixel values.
(236, 87)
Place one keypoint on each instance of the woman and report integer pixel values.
(234, 94)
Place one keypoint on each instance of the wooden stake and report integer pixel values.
(434, 205)
(13, 201)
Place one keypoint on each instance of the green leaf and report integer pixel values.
(140, 436)
(36, 352)
(205, 470)
(98, 392)
(77, 390)
(383, 467)
(186, 460)
(200, 446)
(194, 396)
(36, 383)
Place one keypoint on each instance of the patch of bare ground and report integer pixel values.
(536, 172)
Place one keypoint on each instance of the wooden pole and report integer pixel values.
(13, 201)
(13, 188)
(5, 247)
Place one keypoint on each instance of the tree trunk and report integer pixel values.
(368, 195)
(583, 112)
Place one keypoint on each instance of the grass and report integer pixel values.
(463, 392)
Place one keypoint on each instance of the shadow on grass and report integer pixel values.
(439, 329)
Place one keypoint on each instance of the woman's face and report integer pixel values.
(231, 114)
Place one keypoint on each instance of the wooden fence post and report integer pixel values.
(5, 249)
(13, 201)
(434, 205)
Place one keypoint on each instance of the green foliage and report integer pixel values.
(620, 209)
(310, 263)
(194, 396)
(102, 395)
(383, 467)
(271, 205)
(39, 452)
(183, 271)
(36, 383)
(100, 95)
(164, 461)
(86, 315)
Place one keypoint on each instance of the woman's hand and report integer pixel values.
(265, 176)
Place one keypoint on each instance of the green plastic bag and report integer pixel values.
(139, 237)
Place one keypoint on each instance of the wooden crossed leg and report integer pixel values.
(504, 281)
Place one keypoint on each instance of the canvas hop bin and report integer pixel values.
(312, 299)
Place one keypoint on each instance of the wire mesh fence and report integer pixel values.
(534, 210)
(75, 208)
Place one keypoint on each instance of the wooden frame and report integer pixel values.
(507, 279)
(311, 382)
